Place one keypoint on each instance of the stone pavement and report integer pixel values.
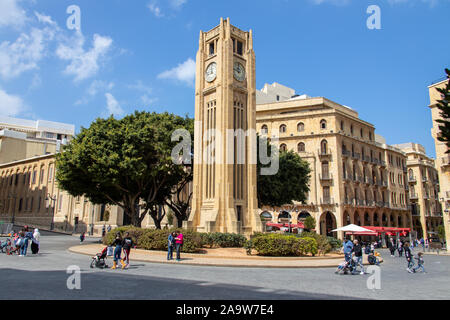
(216, 258)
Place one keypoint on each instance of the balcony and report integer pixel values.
(348, 202)
(356, 156)
(360, 202)
(324, 153)
(326, 177)
(358, 179)
(368, 180)
(365, 158)
(380, 204)
(348, 177)
(424, 179)
(327, 202)
(445, 161)
(374, 161)
(413, 197)
(345, 153)
(412, 179)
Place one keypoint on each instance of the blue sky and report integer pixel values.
(140, 55)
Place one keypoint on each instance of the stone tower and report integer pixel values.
(224, 194)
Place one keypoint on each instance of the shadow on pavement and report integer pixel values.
(110, 284)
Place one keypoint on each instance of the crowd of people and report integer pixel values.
(124, 245)
(20, 241)
(353, 253)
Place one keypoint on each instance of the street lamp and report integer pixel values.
(12, 196)
(53, 199)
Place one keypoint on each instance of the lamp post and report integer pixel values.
(12, 196)
(53, 200)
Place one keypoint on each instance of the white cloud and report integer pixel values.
(99, 85)
(177, 4)
(46, 19)
(10, 105)
(11, 14)
(184, 72)
(146, 100)
(84, 64)
(25, 53)
(139, 86)
(335, 2)
(155, 9)
(113, 106)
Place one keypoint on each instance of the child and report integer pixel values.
(420, 262)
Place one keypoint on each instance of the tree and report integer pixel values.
(290, 183)
(310, 223)
(444, 106)
(123, 162)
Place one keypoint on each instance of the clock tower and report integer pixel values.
(224, 186)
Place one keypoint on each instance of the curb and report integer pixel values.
(332, 264)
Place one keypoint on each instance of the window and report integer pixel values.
(60, 202)
(301, 127)
(33, 180)
(283, 128)
(239, 49)
(283, 147)
(370, 136)
(31, 204)
(342, 125)
(362, 133)
(278, 98)
(211, 48)
(323, 124)
(351, 129)
(264, 129)
(20, 204)
(324, 147)
(42, 175)
(301, 147)
(49, 135)
(50, 173)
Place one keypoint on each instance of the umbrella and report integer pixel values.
(353, 228)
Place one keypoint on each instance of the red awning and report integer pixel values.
(292, 225)
(387, 230)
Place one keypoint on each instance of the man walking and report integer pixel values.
(348, 249)
(408, 257)
(357, 249)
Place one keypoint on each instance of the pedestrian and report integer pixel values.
(127, 244)
(348, 249)
(35, 241)
(103, 231)
(357, 250)
(422, 243)
(82, 237)
(400, 248)
(427, 244)
(420, 262)
(408, 257)
(109, 228)
(117, 251)
(26, 237)
(178, 244)
(170, 245)
(391, 247)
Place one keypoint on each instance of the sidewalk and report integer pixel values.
(222, 258)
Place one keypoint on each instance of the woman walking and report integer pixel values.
(400, 248)
(179, 244)
(117, 251)
(35, 241)
(409, 258)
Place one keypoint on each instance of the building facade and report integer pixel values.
(442, 158)
(423, 185)
(356, 177)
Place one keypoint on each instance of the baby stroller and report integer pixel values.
(99, 260)
(5, 246)
(346, 267)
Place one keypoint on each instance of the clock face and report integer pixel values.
(239, 71)
(211, 72)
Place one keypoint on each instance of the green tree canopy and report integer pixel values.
(290, 183)
(123, 162)
(444, 106)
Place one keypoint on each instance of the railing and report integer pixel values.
(374, 161)
(412, 179)
(413, 197)
(358, 179)
(365, 158)
(348, 201)
(356, 156)
(424, 179)
(327, 201)
(384, 184)
(445, 161)
(326, 177)
(348, 177)
(382, 163)
(367, 180)
(380, 204)
(324, 153)
(346, 153)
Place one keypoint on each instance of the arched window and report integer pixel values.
(266, 216)
(283, 128)
(264, 129)
(410, 174)
(301, 147)
(283, 147)
(342, 125)
(324, 147)
(323, 124)
(351, 129)
(300, 127)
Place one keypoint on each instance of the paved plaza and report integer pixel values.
(46, 274)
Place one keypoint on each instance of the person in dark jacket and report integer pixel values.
(118, 250)
(409, 257)
(391, 247)
(357, 250)
(170, 245)
(400, 248)
(127, 244)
